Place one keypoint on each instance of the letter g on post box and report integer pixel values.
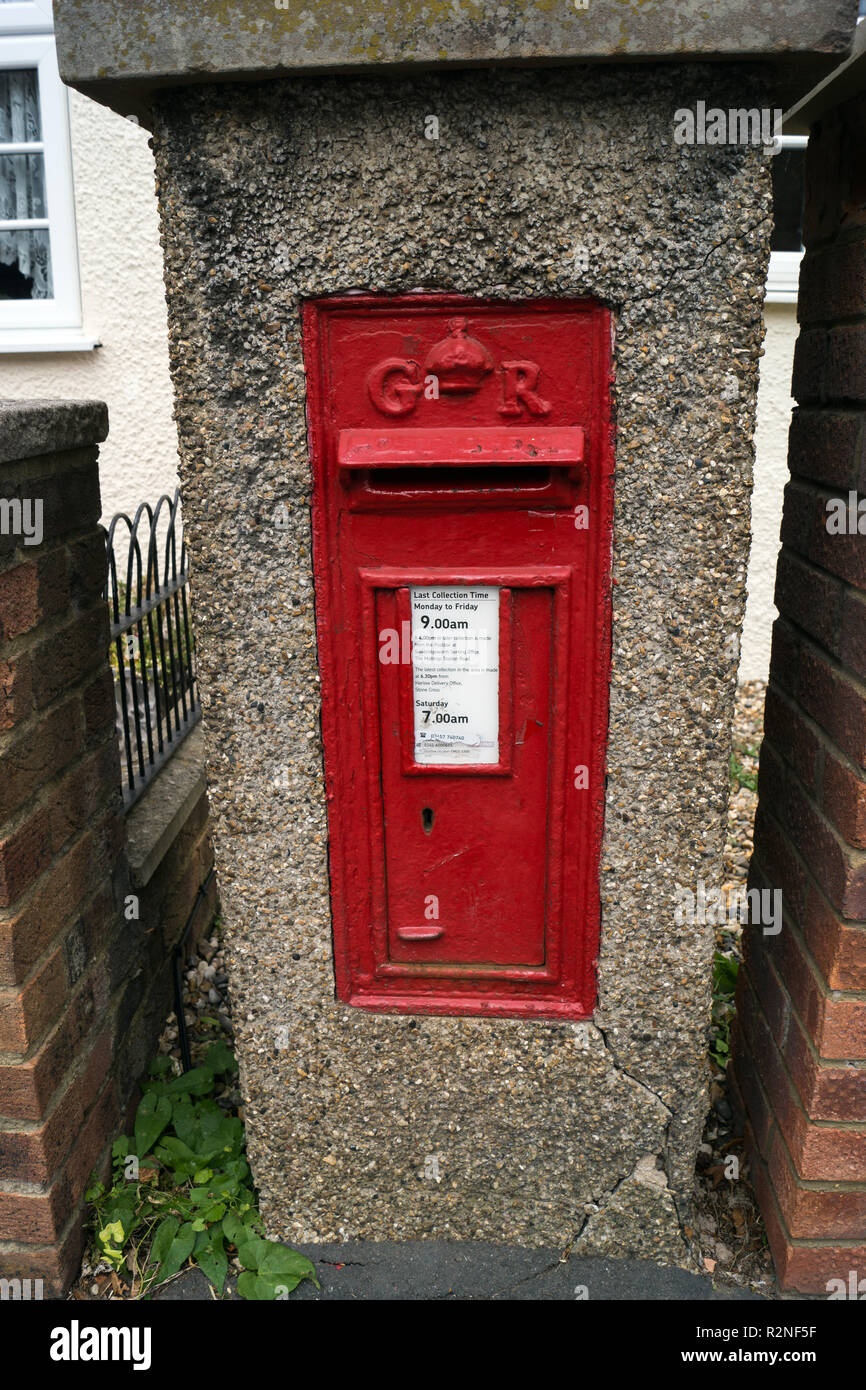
(462, 501)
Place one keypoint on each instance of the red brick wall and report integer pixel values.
(61, 834)
(800, 1054)
(83, 991)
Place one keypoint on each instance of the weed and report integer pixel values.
(725, 971)
(740, 775)
(181, 1189)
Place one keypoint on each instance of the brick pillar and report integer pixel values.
(62, 860)
(800, 1055)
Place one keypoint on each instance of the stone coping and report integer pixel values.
(155, 821)
(30, 428)
(118, 51)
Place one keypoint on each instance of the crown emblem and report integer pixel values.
(459, 363)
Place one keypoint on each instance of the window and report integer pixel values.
(786, 245)
(40, 301)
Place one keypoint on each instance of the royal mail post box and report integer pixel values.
(462, 494)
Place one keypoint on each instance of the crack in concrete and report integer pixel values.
(664, 1153)
(681, 270)
(599, 1203)
(618, 1067)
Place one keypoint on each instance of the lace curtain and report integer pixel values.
(22, 181)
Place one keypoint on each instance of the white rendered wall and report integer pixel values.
(771, 474)
(124, 307)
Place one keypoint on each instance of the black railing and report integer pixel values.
(152, 649)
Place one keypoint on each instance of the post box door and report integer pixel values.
(461, 520)
(449, 836)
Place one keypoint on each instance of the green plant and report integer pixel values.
(149, 644)
(739, 773)
(725, 971)
(181, 1189)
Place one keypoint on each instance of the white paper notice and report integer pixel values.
(455, 669)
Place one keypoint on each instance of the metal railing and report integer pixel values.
(152, 648)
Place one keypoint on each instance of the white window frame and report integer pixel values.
(783, 276)
(27, 17)
(45, 325)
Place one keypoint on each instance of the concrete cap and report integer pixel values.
(119, 51)
(29, 428)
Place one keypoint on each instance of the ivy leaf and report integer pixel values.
(208, 1112)
(251, 1286)
(212, 1259)
(166, 1232)
(179, 1251)
(214, 1213)
(280, 1260)
(112, 1232)
(225, 1186)
(267, 1287)
(234, 1229)
(220, 1059)
(178, 1156)
(725, 971)
(121, 1210)
(153, 1085)
(251, 1252)
(194, 1082)
(203, 1196)
(151, 1118)
(183, 1120)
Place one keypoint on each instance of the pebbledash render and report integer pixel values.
(554, 184)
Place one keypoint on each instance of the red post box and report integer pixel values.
(462, 504)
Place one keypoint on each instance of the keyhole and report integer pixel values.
(427, 820)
